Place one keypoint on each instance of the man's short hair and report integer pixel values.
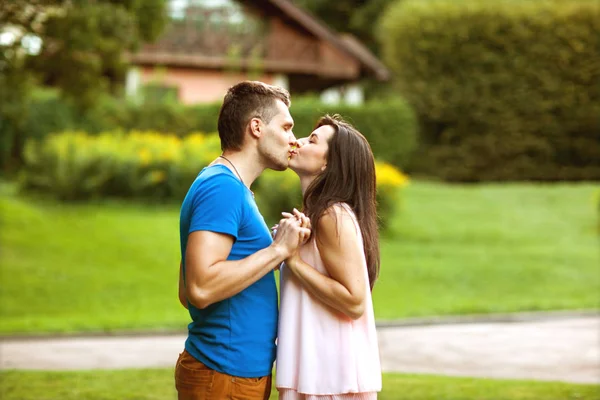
(244, 101)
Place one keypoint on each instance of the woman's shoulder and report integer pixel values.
(336, 218)
(340, 209)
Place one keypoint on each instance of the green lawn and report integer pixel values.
(455, 250)
(155, 384)
(491, 248)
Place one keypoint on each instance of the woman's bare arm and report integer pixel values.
(340, 251)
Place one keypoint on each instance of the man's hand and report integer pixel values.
(304, 222)
(290, 235)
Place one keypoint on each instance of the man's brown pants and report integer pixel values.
(195, 381)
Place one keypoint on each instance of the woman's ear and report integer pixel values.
(324, 167)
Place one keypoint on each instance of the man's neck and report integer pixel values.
(246, 165)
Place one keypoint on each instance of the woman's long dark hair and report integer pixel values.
(349, 178)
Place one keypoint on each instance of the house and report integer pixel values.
(210, 45)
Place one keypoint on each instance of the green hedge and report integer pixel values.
(390, 126)
(279, 191)
(76, 166)
(504, 90)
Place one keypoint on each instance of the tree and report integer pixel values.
(77, 46)
(358, 17)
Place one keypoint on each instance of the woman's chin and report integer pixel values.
(295, 167)
(292, 164)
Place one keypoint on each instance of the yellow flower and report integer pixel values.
(194, 139)
(145, 156)
(157, 176)
(169, 153)
(389, 175)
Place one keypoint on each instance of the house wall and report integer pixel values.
(196, 85)
(337, 63)
(288, 44)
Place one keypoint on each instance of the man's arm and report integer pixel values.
(211, 278)
(182, 298)
(338, 245)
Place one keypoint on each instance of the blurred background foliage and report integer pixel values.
(481, 91)
(503, 90)
(75, 46)
(77, 166)
(381, 122)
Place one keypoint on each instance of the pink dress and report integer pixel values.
(321, 353)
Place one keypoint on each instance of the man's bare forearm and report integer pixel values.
(225, 279)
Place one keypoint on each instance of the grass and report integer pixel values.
(455, 250)
(155, 384)
(491, 248)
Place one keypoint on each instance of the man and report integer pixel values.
(226, 277)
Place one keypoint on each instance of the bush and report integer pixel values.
(79, 166)
(390, 126)
(389, 201)
(276, 192)
(147, 165)
(162, 117)
(280, 191)
(504, 90)
(597, 206)
(14, 99)
(46, 113)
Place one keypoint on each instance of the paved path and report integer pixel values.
(566, 349)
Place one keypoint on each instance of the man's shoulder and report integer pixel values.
(216, 177)
(215, 171)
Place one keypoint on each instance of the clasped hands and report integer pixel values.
(293, 230)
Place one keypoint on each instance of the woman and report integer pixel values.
(327, 343)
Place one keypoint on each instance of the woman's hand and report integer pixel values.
(304, 222)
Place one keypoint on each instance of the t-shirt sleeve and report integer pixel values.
(218, 206)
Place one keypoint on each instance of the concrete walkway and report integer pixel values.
(565, 349)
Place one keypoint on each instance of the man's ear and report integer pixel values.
(256, 127)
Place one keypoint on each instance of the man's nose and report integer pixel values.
(293, 141)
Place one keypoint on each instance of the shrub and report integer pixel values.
(280, 191)
(276, 192)
(390, 181)
(162, 117)
(504, 90)
(78, 166)
(74, 165)
(390, 126)
(597, 206)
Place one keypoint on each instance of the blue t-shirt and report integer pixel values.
(235, 336)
